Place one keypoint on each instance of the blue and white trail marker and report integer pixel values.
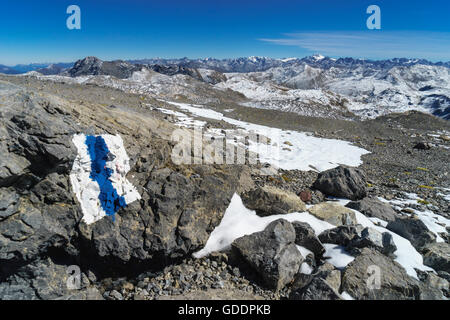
(98, 176)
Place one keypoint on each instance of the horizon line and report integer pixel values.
(229, 58)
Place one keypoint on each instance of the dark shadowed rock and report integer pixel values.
(270, 200)
(9, 202)
(317, 289)
(412, 229)
(371, 238)
(271, 253)
(342, 182)
(341, 235)
(372, 207)
(437, 256)
(305, 237)
(360, 280)
(422, 146)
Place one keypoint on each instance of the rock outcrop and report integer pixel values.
(372, 207)
(40, 217)
(342, 182)
(372, 275)
(414, 230)
(437, 256)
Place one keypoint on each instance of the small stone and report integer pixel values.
(116, 295)
(305, 196)
(128, 286)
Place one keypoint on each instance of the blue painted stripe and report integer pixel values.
(99, 153)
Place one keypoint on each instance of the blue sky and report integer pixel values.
(35, 31)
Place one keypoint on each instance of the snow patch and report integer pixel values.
(337, 256)
(239, 221)
(306, 153)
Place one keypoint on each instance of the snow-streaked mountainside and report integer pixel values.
(313, 86)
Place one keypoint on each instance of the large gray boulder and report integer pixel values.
(437, 256)
(342, 182)
(414, 230)
(269, 200)
(360, 278)
(372, 207)
(317, 289)
(333, 213)
(272, 253)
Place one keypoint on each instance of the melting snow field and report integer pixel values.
(239, 221)
(290, 149)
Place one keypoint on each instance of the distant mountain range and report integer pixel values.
(366, 88)
(241, 65)
(254, 64)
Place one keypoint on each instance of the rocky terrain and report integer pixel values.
(365, 217)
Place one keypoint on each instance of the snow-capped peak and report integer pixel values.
(318, 57)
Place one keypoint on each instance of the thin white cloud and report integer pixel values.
(371, 44)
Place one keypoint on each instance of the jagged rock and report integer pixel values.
(271, 253)
(343, 182)
(305, 237)
(361, 283)
(44, 279)
(437, 256)
(270, 200)
(9, 202)
(432, 287)
(333, 213)
(444, 275)
(372, 207)
(317, 289)
(389, 246)
(371, 238)
(414, 230)
(331, 275)
(341, 235)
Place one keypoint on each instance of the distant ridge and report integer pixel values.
(244, 64)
